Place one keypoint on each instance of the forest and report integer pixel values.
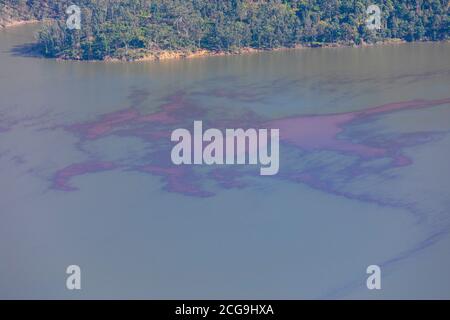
(131, 29)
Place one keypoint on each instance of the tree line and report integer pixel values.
(131, 28)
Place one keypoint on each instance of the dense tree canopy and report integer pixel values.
(131, 28)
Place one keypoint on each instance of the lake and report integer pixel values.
(86, 177)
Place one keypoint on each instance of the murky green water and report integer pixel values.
(364, 177)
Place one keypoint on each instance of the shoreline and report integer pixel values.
(167, 55)
(15, 23)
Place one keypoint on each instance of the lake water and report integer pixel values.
(86, 176)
